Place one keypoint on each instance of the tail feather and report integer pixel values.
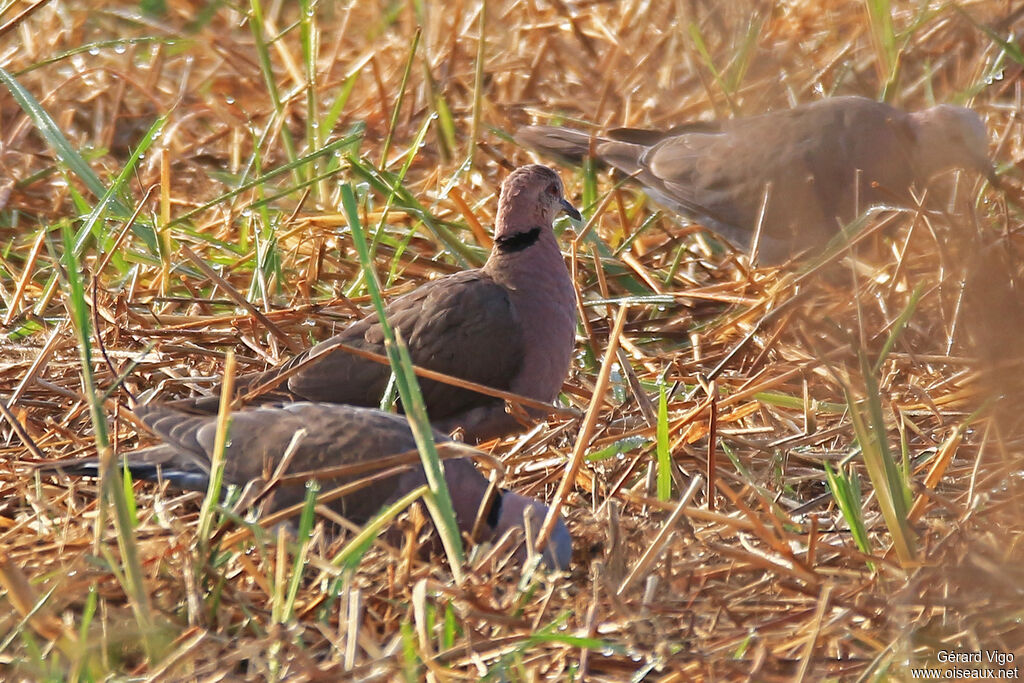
(623, 150)
(210, 405)
(180, 429)
(649, 137)
(564, 143)
(197, 405)
(156, 463)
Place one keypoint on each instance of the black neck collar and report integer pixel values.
(494, 514)
(507, 244)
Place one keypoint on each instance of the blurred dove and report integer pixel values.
(335, 435)
(509, 325)
(819, 165)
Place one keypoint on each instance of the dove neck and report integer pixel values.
(518, 241)
(928, 154)
(531, 244)
(542, 294)
(465, 480)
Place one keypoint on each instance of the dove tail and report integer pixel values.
(563, 143)
(149, 464)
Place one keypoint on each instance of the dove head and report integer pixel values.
(531, 197)
(508, 512)
(952, 137)
(504, 512)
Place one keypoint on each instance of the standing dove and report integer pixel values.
(807, 161)
(335, 435)
(509, 325)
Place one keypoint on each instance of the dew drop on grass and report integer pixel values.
(997, 76)
(94, 51)
(120, 49)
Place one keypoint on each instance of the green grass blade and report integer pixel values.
(93, 47)
(846, 491)
(305, 527)
(737, 69)
(396, 183)
(439, 502)
(451, 628)
(383, 184)
(709, 63)
(624, 445)
(883, 34)
(397, 109)
(258, 28)
(334, 112)
(777, 398)
(215, 485)
(870, 429)
(308, 43)
(664, 457)
(355, 548)
(134, 584)
(269, 175)
(1012, 49)
(897, 328)
(108, 198)
(590, 194)
(478, 83)
(445, 124)
(97, 214)
(49, 131)
(412, 666)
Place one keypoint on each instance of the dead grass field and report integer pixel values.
(910, 350)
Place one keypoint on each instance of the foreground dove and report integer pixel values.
(509, 325)
(813, 167)
(335, 435)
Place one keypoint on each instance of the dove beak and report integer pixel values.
(571, 210)
(989, 169)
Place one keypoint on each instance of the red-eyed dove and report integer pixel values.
(335, 435)
(818, 165)
(509, 325)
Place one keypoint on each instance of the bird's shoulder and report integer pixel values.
(469, 300)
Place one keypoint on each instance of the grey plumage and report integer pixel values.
(508, 325)
(335, 435)
(819, 163)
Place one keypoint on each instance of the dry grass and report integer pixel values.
(760, 580)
